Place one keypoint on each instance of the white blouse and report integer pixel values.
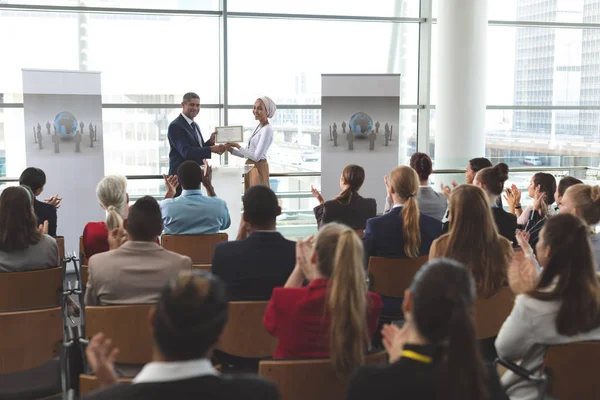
(258, 144)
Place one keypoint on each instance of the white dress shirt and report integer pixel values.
(175, 371)
(190, 121)
(258, 145)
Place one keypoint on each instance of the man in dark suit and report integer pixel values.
(186, 324)
(251, 268)
(35, 179)
(185, 138)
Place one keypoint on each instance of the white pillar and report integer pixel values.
(461, 82)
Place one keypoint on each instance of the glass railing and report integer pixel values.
(293, 189)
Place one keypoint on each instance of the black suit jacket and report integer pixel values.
(185, 145)
(355, 214)
(251, 268)
(46, 212)
(506, 223)
(205, 387)
(408, 379)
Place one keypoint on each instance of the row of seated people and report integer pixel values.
(465, 201)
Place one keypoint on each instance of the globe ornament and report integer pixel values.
(361, 124)
(65, 124)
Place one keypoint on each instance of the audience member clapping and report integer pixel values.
(186, 324)
(561, 305)
(434, 355)
(35, 179)
(24, 246)
(334, 316)
(473, 240)
(348, 207)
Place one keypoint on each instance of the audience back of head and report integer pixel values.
(190, 315)
(189, 175)
(145, 220)
(547, 185)
(583, 201)
(568, 274)
(34, 178)
(492, 178)
(353, 176)
(339, 255)
(442, 295)
(563, 185)
(18, 223)
(475, 165)
(404, 182)
(112, 194)
(261, 208)
(422, 164)
(474, 239)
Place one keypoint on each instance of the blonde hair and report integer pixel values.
(112, 194)
(405, 182)
(340, 258)
(473, 239)
(586, 200)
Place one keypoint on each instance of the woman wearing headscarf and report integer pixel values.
(258, 144)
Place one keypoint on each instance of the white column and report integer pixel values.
(461, 82)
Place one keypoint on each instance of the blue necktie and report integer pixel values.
(196, 129)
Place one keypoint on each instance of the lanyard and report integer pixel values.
(416, 356)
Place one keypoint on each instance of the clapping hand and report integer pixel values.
(394, 339)
(54, 201)
(171, 183)
(523, 240)
(116, 238)
(43, 228)
(101, 359)
(317, 195)
(446, 191)
(513, 196)
(522, 274)
(304, 258)
(539, 203)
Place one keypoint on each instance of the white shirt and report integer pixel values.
(189, 121)
(174, 371)
(258, 145)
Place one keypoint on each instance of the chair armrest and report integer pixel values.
(520, 371)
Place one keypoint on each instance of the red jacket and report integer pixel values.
(297, 318)
(95, 238)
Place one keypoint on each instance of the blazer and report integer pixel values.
(46, 212)
(383, 235)
(506, 223)
(95, 238)
(135, 273)
(42, 255)
(355, 214)
(525, 335)
(408, 379)
(430, 203)
(297, 317)
(185, 144)
(251, 268)
(212, 387)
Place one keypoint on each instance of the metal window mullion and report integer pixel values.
(424, 85)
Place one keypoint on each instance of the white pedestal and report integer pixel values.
(228, 183)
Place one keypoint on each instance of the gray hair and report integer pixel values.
(190, 95)
(112, 194)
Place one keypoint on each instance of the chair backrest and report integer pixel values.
(82, 257)
(29, 338)
(33, 289)
(392, 276)
(309, 379)
(89, 383)
(571, 372)
(244, 334)
(60, 241)
(127, 327)
(84, 274)
(202, 267)
(491, 312)
(200, 248)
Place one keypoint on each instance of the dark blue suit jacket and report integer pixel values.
(251, 268)
(185, 145)
(383, 235)
(46, 212)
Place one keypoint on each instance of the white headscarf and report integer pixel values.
(270, 106)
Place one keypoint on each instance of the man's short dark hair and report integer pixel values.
(261, 207)
(189, 174)
(190, 315)
(190, 95)
(479, 163)
(34, 178)
(144, 222)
